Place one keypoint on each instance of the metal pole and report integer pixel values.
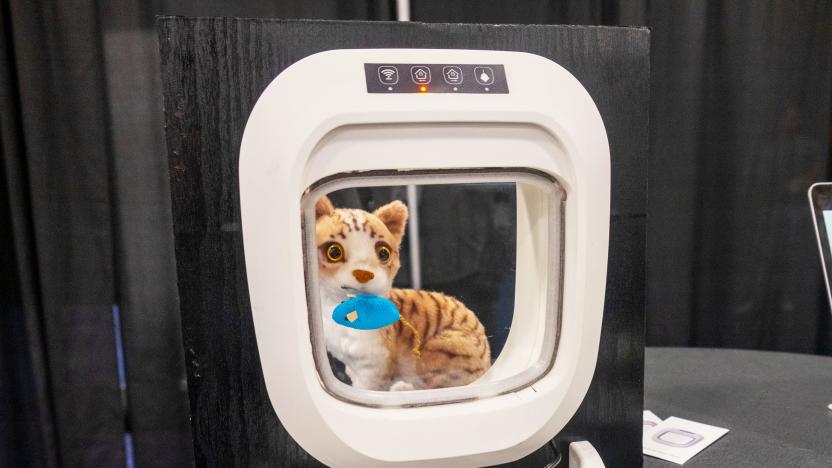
(403, 14)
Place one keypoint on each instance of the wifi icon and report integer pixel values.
(388, 74)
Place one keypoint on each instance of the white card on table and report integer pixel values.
(650, 420)
(677, 440)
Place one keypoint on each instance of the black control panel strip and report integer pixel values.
(435, 78)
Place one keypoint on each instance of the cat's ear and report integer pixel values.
(323, 207)
(394, 216)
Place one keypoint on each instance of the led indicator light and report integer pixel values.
(423, 89)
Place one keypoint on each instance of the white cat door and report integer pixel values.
(475, 216)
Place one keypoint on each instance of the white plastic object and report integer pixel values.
(402, 10)
(583, 455)
(824, 267)
(324, 94)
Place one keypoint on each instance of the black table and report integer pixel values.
(775, 404)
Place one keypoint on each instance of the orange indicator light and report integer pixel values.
(423, 89)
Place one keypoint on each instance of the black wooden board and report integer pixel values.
(213, 71)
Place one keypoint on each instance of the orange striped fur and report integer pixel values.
(454, 348)
(361, 251)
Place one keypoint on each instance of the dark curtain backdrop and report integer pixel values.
(740, 128)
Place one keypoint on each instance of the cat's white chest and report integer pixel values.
(363, 352)
(348, 344)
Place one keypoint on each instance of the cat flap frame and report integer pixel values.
(326, 92)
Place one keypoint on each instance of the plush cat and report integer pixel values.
(358, 252)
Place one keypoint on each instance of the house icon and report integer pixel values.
(420, 75)
(452, 75)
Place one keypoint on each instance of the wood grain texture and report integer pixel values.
(214, 70)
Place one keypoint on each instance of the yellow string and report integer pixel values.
(417, 340)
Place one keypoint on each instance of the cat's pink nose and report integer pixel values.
(363, 276)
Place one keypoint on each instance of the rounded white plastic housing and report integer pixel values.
(300, 132)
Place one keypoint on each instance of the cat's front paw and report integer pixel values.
(402, 386)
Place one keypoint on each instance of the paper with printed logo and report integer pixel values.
(677, 440)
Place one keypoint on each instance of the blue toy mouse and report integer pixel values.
(366, 312)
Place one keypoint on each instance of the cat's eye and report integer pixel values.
(383, 252)
(334, 252)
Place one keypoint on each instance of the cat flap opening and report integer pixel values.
(476, 279)
(476, 221)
